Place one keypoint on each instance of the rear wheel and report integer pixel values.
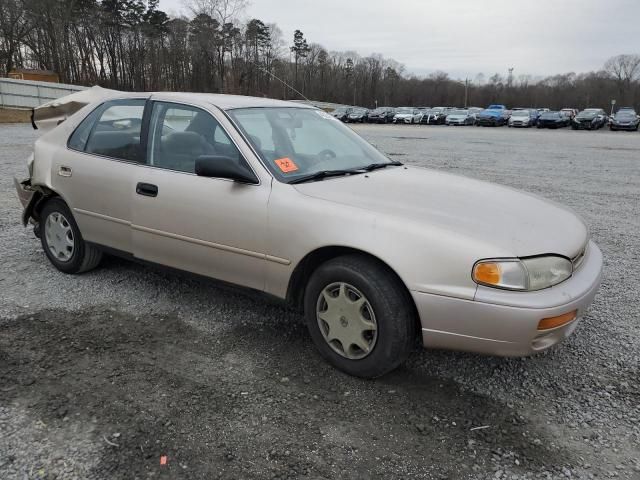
(62, 241)
(359, 316)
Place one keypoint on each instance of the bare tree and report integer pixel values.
(224, 11)
(624, 69)
(14, 27)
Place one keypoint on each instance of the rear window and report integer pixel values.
(112, 130)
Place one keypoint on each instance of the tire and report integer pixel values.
(386, 302)
(57, 223)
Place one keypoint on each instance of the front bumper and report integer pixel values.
(586, 125)
(628, 126)
(433, 121)
(488, 122)
(504, 323)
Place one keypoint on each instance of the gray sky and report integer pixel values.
(463, 37)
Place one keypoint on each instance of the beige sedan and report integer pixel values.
(282, 198)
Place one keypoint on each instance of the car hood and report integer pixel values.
(491, 113)
(457, 117)
(515, 223)
(404, 115)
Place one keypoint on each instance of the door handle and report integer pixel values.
(147, 189)
(64, 171)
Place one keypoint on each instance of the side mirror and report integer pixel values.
(220, 166)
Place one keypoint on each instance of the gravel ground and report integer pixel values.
(103, 374)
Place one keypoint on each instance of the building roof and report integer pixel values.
(33, 71)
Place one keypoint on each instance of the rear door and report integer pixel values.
(95, 172)
(209, 226)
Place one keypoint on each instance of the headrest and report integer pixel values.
(182, 143)
(101, 141)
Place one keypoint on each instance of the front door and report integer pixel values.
(209, 226)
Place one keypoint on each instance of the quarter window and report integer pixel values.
(180, 134)
(116, 133)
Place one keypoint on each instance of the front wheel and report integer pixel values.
(62, 241)
(359, 316)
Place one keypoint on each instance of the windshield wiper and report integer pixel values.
(326, 174)
(376, 166)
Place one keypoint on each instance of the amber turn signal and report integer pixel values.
(554, 322)
(488, 273)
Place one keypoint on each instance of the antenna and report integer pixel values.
(282, 81)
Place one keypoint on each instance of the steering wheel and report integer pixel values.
(327, 154)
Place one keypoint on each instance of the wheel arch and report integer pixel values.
(304, 269)
(41, 196)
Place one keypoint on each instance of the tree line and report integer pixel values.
(133, 45)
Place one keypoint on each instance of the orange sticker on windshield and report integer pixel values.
(286, 165)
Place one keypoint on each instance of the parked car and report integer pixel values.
(625, 119)
(569, 112)
(553, 120)
(460, 117)
(493, 116)
(435, 116)
(407, 115)
(589, 119)
(474, 112)
(373, 253)
(342, 113)
(382, 115)
(357, 115)
(523, 118)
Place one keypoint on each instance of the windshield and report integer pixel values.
(625, 115)
(358, 111)
(297, 142)
(588, 113)
(458, 112)
(404, 110)
(520, 113)
(550, 115)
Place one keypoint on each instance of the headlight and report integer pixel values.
(527, 274)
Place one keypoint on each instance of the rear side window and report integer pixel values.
(78, 140)
(113, 130)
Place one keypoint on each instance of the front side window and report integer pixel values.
(297, 142)
(115, 131)
(180, 134)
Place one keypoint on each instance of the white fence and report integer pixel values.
(29, 94)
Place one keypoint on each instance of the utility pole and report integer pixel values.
(466, 92)
(510, 78)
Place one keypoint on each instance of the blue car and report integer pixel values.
(493, 116)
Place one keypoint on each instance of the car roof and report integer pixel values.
(222, 101)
